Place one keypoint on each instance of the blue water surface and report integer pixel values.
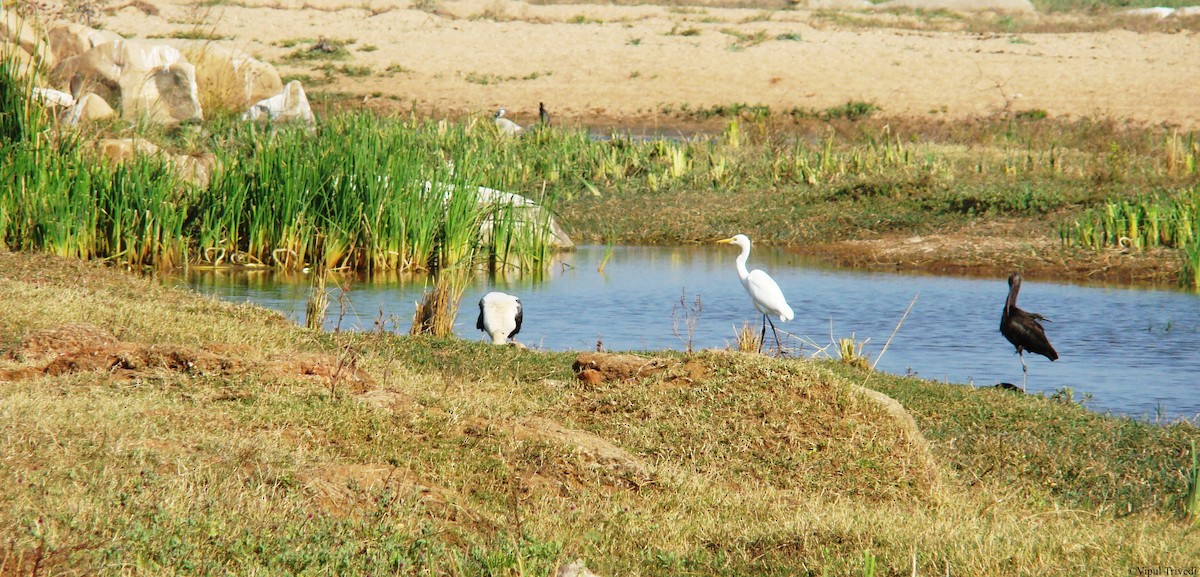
(1133, 351)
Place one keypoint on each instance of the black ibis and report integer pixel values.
(1023, 329)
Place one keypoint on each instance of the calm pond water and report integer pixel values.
(1135, 351)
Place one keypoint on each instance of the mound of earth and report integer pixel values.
(796, 409)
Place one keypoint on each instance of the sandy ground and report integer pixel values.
(596, 64)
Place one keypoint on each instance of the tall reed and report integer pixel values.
(1191, 498)
(360, 193)
(1167, 219)
(21, 118)
(439, 305)
(317, 304)
(363, 193)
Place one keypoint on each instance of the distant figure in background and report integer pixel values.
(1023, 330)
(499, 316)
(543, 116)
(506, 126)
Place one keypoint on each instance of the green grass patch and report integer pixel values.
(743, 40)
(676, 31)
(196, 35)
(309, 80)
(321, 49)
(584, 19)
(349, 70)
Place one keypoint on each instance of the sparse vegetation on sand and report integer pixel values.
(220, 437)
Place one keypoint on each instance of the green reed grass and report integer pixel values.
(390, 196)
(21, 118)
(1167, 220)
(359, 193)
(1191, 499)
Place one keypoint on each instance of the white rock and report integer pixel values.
(528, 213)
(291, 105)
(53, 97)
(150, 81)
(576, 568)
(89, 107)
(1156, 12)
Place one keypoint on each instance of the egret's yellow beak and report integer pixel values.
(725, 241)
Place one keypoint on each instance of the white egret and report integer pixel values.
(499, 316)
(763, 290)
(506, 126)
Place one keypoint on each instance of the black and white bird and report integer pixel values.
(506, 126)
(499, 316)
(1023, 330)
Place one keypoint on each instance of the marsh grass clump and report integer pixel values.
(1191, 498)
(1168, 219)
(853, 110)
(850, 352)
(747, 339)
(316, 305)
(438, 308)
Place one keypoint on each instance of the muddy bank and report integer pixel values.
(961, 254)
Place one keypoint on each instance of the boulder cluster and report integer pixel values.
(87, 74)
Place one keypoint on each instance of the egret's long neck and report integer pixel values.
(741, 264)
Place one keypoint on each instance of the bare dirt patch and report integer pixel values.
(82, 347)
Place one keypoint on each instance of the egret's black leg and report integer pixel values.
(762, 335)
(778, 345)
